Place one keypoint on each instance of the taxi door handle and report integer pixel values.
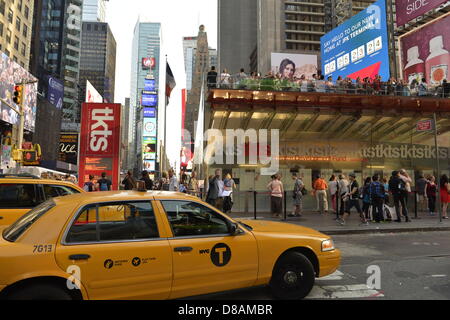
(79, 257)
(1, 218)
(183, 249)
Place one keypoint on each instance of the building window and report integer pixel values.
(15, 58)
(25, 30)
(27, 12)
(7, 52)
(2, 7)
(18, 23)
(19, 5)
(1, 29)
(8, 36)
(23, 49)
(10, 16)
(16, 43)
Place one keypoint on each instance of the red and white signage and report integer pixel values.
(100, 142)
(426, 125)
(148, 63)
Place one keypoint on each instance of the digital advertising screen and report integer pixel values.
(149, 84)
(359, 46)
(149, 99)
(149, 127)
(425, 53)
(291, 65)
(149, 112)
(55, 92)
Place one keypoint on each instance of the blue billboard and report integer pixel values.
(55, 92)
(149, 84)
(359, 46)
(149, 99)
(149, 112)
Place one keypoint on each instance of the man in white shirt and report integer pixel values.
(173, 182)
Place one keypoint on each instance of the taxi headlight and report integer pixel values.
(327, 245)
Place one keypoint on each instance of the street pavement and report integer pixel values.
(412, 266)
(327, 224)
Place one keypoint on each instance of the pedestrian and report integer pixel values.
(377, 196)
(211, 78)
(342, 190)
(173, 182)
(431, 192)
(397, 187)
(386, 191)
(129, 182)
(183, 186)
(320, 188)
(228, 186)
(297, 196)
(163, 183)
(351, 199)
(423, 88)
(225, 79)
(445, 197)
(89, 186)
(276, 195)
(147, 181)
(366, 197)
(214, 192)
(193, 187)
(421, 195)
(408, 181)
(104, 184)
(333, 190)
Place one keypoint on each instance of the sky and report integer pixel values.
(179, 18)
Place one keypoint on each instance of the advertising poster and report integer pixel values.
(148, 63)
(92, 95)
(11, 74)
(149, 84)
(406, 10)
(358, 47)
(100, 142)
(149, 99)
(55, 92)
(425, 53)
(149, 127)
(68, 147)
(294, 65)
(149, 146)
(149, 112)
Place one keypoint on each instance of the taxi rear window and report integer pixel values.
(13, 232)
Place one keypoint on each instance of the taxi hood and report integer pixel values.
(281, 227)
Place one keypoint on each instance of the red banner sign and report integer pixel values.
(100, 142)
(426, 125)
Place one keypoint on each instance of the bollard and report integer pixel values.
(254, 203)
(285, 206)
(415, 205)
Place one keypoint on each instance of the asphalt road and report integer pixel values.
(411, 266)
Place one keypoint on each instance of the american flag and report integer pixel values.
(170, 81)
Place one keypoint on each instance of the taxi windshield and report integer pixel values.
(13, 232)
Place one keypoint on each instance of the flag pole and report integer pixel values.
(165, 121)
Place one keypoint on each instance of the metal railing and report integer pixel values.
(382, 88)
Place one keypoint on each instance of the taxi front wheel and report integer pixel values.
(293, 277)
(40, 292)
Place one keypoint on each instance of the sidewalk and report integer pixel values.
(326, 223)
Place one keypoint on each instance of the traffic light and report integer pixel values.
(18, 95)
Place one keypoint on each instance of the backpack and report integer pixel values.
(103, 185)
(88, 187)
(377, 190)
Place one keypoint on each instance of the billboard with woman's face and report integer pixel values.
(289, 65)
(12, 74)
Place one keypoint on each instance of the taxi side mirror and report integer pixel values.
(234, 229)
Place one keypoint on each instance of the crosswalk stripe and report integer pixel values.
(338, 275)
(343, 292)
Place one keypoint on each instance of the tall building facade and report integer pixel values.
(146, 47)
(94, 10)
(250, 31)
(190, 55)
(16, 19)
(98, 59)
(237, 33)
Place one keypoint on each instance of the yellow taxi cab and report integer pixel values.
(154, 245)
(21, 193)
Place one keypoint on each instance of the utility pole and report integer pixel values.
(438, 198)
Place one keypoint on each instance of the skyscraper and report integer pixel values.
(98, 59)
(237, 33)
(145, 65)
(16, 19)
(94, 10)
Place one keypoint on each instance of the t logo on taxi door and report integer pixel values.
(221, 254)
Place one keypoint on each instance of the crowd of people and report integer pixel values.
(369, 200)
(285, 80)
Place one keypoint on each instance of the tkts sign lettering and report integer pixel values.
(100, 142)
